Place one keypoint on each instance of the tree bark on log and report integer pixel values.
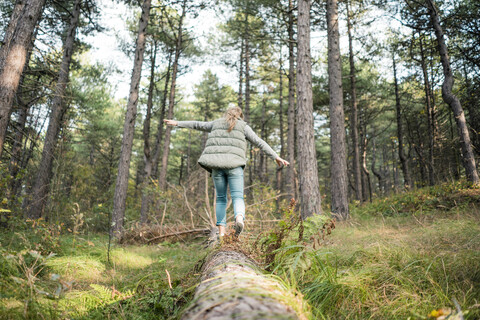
(233, 287)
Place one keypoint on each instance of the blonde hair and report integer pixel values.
(232, 115)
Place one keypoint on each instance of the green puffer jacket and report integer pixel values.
(226, 150)
(223, 149)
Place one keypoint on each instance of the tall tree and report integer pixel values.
(337, 119)
(308, 174)
(279, 177)
(366, 181)
(162, 178)
(13, 55)
(20, 125)
(120, 195)
(290, 177)
(240, 77)
(401, 151)
(430, 114)
(451, 99)
(40, 189)
(159, 138)
(147, 150)
(247, 55)
(357, 176)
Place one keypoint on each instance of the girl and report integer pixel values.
(224, 157)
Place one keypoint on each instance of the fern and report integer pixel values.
(108, 295)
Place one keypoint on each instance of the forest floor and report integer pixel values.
(404, 256)
(79, 282)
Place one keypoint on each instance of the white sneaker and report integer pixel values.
(239, 225)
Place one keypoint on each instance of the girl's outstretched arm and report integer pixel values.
(254, 139)
(196, 125)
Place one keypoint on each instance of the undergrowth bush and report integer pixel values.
(378, 267)
(444, 197)
(292, 234)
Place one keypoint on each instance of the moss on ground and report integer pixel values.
(80, 283)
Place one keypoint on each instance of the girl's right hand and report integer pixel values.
(282, 162)
(171, 122)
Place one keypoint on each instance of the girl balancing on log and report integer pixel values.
(224, 157)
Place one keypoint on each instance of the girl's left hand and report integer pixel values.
(282, 162)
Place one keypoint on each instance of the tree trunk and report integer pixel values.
(430, 116)
(385, 170)
(15, 159)
(233, 287)
(40, 189)
(157, 148)
(473, 108)
(363, 151)
(401, 152)
(417, 146)
(354, 113)
(147, 152)
(13, 55)
(378, 174)
(396, 182)
(337, 118)
(310, 198)
(279, 175)
(455, 162)
(159, 138)
(240, 77)
(162, 179)
(290, 177)
(263, 163)
(452, 100)
(247, 65)
(121, 187)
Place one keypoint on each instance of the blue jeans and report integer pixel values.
(233, 178)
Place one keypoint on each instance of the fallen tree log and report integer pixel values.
(233, 287)
(174, 234)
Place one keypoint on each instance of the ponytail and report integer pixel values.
(232, 115)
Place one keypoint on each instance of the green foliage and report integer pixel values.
(167, 302)
(393, 267)
(445, 197)
(78, 284)
(289, 236)
(275, 239)
(85, 173)
(21, 274)
(35, 235)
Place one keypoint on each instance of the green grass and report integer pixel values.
(393, 266)
(399, 257)
(79, 282)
